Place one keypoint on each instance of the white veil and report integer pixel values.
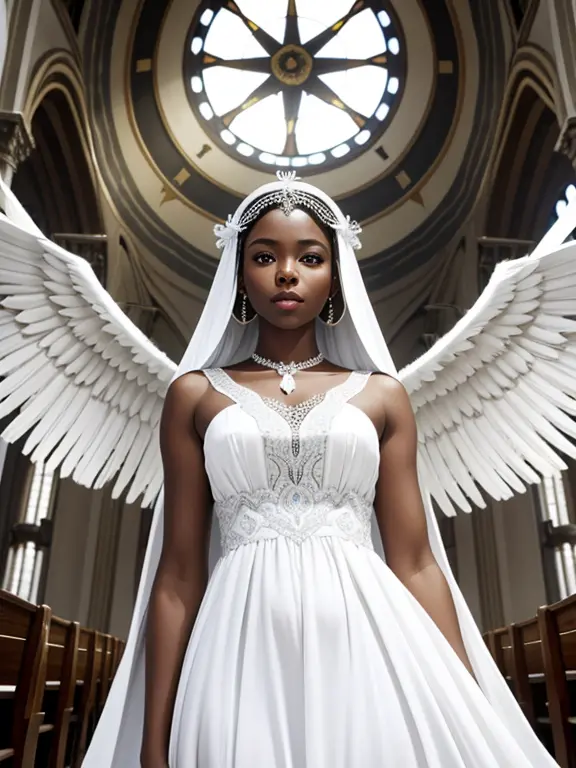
(355, 343)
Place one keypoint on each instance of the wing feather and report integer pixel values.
(495, 399)
(81, 381)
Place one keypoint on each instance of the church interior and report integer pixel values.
(130, 128)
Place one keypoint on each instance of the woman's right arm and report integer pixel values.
(182, 573)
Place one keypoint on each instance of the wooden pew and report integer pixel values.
(499, 645)
(54, 681)
(24, 631)
(517, 650)
(527, 664)
(105, 671)
(61, 676)
(91, 651)
(557, 625)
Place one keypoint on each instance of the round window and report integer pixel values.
(307, 84)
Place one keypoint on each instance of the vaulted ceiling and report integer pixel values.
(190, 116)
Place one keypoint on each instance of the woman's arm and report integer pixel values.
(182, 574)
(402, 519)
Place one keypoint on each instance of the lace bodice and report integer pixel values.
(293, 471)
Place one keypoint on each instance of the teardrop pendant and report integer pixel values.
(287, 370)
(287, 385)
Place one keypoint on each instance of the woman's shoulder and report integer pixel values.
(188, 388)
(386, 383)
(389, 390)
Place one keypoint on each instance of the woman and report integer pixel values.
(303, 649)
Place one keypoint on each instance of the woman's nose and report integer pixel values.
(286, 277)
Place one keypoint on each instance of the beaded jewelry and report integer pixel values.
(287, 199)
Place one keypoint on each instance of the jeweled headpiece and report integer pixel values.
(287, 198)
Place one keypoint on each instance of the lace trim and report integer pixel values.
(295, 513)
(250, 402)
(295, 502)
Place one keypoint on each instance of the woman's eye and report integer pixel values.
(263, 258)
(312, 258)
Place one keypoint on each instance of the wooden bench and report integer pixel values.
(557, 625)
(61, 675)
(24, 631)
(499, 645)
(89, 654)
(538, 659)
(54, 680)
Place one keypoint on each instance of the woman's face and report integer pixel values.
(287, 269)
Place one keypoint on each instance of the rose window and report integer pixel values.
(307, 84)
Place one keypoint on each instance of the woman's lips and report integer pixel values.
(287, 304)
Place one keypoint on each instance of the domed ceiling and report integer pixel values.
(387, 105)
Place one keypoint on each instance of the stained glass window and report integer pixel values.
(299, 83)
(26, 555)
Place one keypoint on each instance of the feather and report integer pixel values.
(66, 353)
(53, 428)
(497, 394)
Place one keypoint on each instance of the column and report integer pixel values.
(23, 23)
(567, 141)
(16, 143)
(489, 583)
(563, 27)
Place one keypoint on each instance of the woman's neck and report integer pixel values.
(285, 346)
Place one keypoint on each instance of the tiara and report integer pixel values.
(287, 199)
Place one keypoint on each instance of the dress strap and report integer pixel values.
(249, 400)
(353, 385)
(224, 384)
(335, 398)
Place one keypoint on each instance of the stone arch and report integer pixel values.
(3, 34)
(58, 182)
(528, 174)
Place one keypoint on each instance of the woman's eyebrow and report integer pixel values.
(312, 241)
(270, 241)
(262, 241)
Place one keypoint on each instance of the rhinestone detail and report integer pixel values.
(287, 198)
(287, 370)
(294, 415)
(295, 503)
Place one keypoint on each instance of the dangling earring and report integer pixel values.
(330, 320)
(328, 312)
(243, 319)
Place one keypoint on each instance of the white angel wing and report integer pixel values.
(494, 399)
(86, 384)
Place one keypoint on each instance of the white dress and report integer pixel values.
(307, 651)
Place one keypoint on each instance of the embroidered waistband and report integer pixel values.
(295, 513)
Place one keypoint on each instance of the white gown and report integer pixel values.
(307, 651)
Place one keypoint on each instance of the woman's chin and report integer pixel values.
(288, 320)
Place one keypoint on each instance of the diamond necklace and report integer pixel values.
(287, 370)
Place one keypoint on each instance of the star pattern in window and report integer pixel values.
(295, 83)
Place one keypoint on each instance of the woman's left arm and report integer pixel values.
(402, 519)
